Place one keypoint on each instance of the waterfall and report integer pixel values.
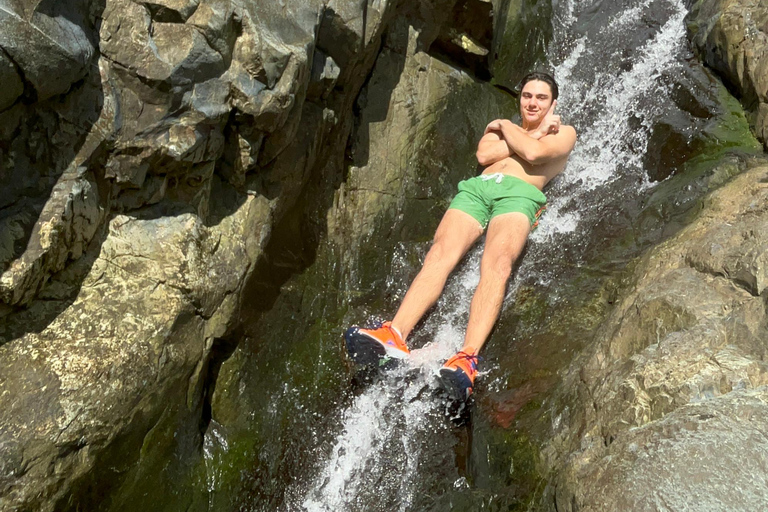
(600, 102)
(392, 419)
(388, 433)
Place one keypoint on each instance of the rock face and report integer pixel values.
(731, 36)
(413, 142)
(149, 153)
(667, 408)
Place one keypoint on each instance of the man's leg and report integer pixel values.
(455, 235)
(506, 238)
(504, 242)
(457, 232)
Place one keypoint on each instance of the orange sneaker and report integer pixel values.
(375, 346)
(458, 375)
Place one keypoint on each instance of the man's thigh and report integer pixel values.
(457, 232)
(506, 238)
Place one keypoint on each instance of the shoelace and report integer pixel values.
(472, 358)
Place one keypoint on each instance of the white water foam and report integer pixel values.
(389, 413)
(603, 149)
(362, 431)
(610, 146)
(625, 18)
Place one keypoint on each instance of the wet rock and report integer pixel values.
(667, 399)
(519, 25)
(731, 37)
(144, 185)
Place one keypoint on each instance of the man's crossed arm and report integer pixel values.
(548, 142)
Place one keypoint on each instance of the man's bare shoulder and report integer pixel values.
(563, 141)
(567, 130)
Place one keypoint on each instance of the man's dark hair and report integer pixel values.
(543, 77)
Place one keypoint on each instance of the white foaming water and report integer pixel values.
(394, 411)
(388, 424)
(557, 221)
(602, 150)
(390, 412)
(362, 430)
(609, 146)
(628, 16)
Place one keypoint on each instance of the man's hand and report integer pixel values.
(549, 125)
(495, 125)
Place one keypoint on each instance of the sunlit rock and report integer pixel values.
(664, 404)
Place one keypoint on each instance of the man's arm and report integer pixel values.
(537, 151)
(498, 144)
(492, 148)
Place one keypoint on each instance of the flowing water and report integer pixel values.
(617, 62)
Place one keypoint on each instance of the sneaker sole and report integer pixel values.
(456, 383)
(363, 349)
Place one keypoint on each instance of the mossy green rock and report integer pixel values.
(732, 37)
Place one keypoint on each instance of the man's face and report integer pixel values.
(535, 100)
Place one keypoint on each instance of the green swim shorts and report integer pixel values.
(488, 195)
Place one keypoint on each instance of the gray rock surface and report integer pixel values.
(667, 409)
(99, 378)
(731, 36)
(50, 43)
(149, 150)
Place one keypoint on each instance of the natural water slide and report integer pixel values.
(652, 122)
(197, 198)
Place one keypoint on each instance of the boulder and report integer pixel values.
(702, 456)
(731, 37)
(107, 374)
(50, 43)
(666, 401)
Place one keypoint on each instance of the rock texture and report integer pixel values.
(731, 37)
(149, 152)
(667, 409)
(402, 173)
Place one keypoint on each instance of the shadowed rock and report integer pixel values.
(732, 38)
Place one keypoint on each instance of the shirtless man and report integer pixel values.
(506, 199)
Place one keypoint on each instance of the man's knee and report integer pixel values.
(440, 254)
(498, 268)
